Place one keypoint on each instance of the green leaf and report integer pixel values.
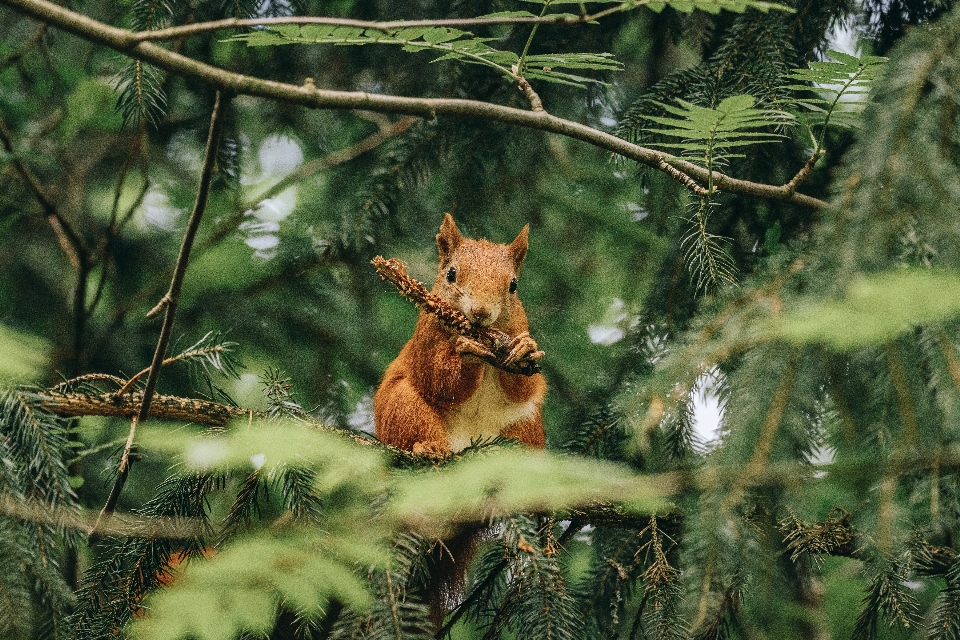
(706, 133)
(875, 309)
(452, 43)
(513, 481)
(733, 104)
(241, 588)
(845, 86)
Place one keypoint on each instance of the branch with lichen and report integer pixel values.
(496, 341)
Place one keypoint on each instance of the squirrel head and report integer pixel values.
(479, 277)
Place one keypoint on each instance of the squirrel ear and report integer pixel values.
(449, 237)
(518, 248)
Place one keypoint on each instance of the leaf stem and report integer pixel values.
(526, 48)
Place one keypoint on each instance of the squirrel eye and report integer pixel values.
(513, 286)
(452, 274)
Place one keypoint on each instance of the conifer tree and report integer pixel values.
(723, 204)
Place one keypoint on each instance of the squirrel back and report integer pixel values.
(435, 397)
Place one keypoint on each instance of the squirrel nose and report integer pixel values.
(482, 315)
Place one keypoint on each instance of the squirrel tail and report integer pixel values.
(449, 561)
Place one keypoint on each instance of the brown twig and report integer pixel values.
(129, 43)
(171, 299)
(169, 302)
(126, 386)
(70, 241)
(123, 471)
(496, 341)
(536, 105)
(682, 178)
(804, 172)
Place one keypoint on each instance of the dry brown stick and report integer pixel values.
(496, 341)
(163, 407)
(169, 305)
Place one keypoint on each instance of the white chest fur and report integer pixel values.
(487, 413)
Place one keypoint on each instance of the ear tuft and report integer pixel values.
(449, 238)
(518, 248)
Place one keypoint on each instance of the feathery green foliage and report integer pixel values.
(453, 44)
(842, 90)
(825, 504)
(709, 134)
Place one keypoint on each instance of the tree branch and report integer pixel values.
(170, 301)
(70, 241)
(172, 298)
(128, 43)
(171, 33)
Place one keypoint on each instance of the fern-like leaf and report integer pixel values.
(841, 90)
(452, 44)
(707, 136)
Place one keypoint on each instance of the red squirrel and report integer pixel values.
(435, 397)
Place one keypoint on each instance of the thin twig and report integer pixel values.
(804, 172)
(127, 42)
(89, 377)
(70, 241)
(536, 105)
(122, 472)
(125, 388)
(172, 297)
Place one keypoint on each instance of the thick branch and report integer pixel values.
(309, 95)
(162, 407)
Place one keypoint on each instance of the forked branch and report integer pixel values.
(132, 44)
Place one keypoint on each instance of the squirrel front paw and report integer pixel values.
(470, 347)
(431, 449)
(520, 347)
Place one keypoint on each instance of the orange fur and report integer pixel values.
(435, 400)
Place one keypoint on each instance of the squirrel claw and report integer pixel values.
(469, 347)
(522, 346)
(431, 449)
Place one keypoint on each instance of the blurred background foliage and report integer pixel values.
(825, 505)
